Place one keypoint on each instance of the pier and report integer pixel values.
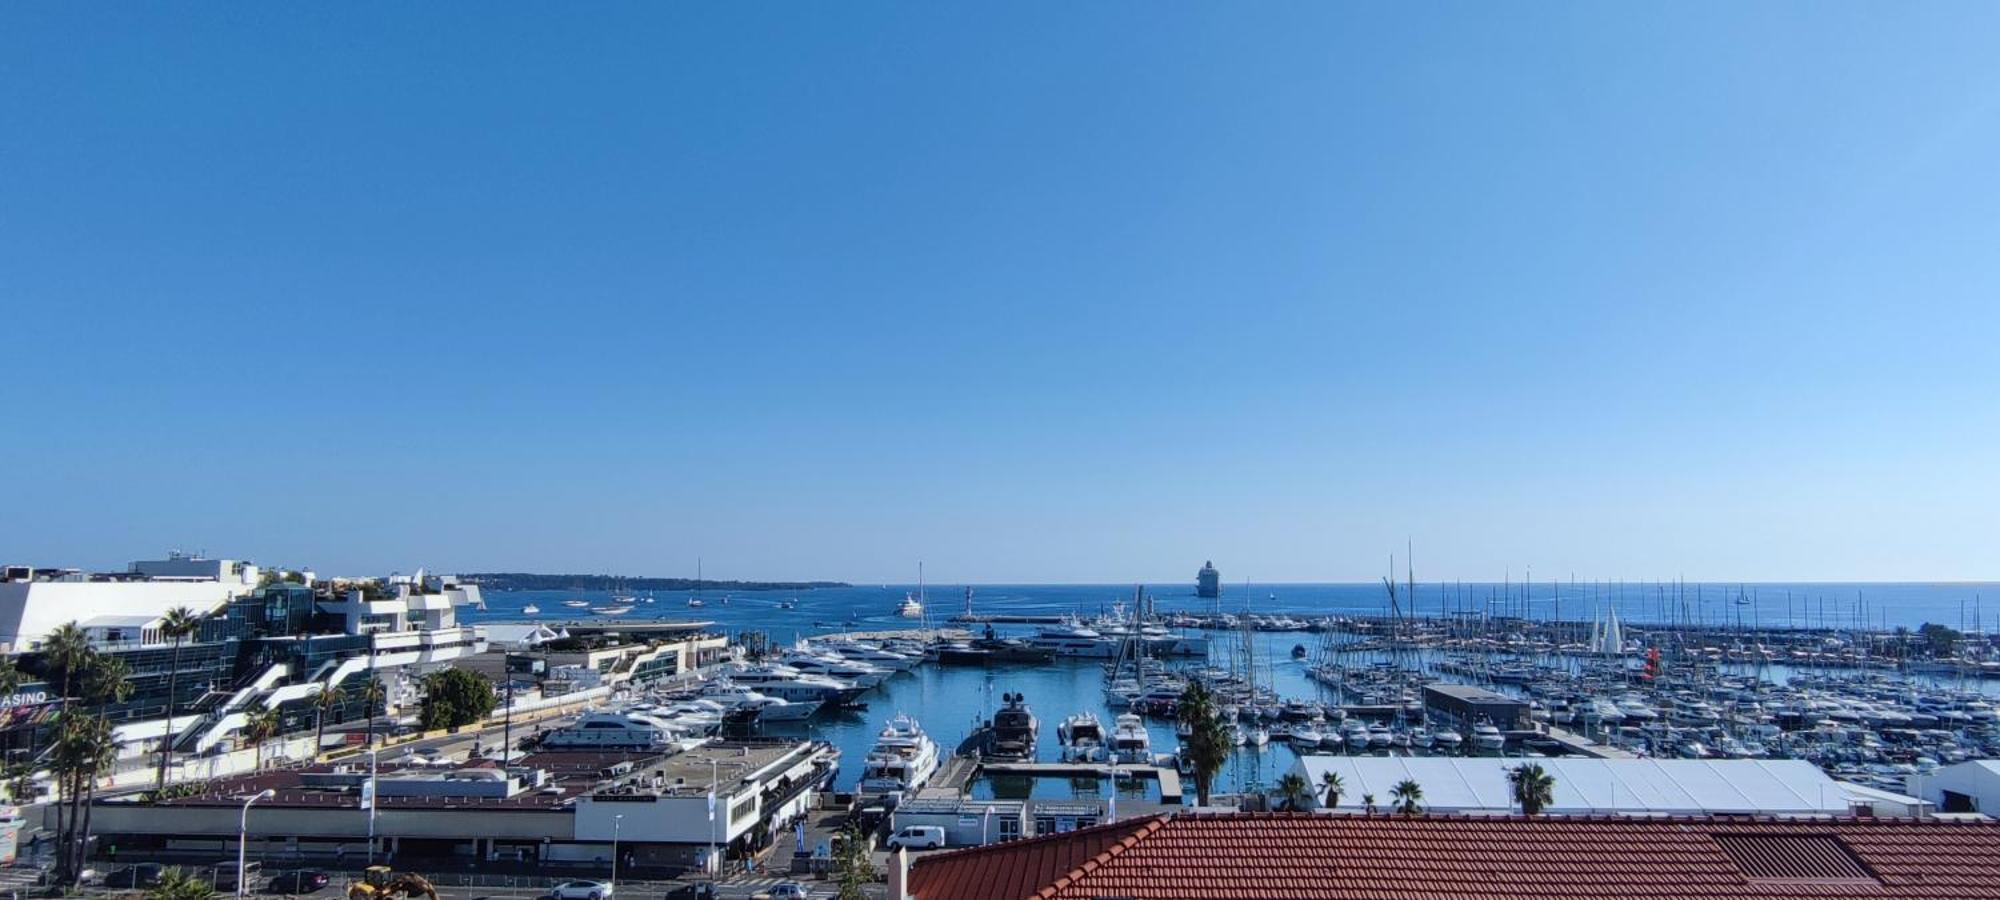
(1170, 780)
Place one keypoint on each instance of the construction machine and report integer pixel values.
(382, 883)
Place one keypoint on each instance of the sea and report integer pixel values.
(950, 701)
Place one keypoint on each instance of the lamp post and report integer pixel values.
(616, 822)
(714, 865)
(372, 801)
(243, 839)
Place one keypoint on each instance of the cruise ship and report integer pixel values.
(902, 760)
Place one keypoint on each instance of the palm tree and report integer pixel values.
(325, 701)
(260, 724)
(84, 748)
(66, 651)
(1408, 796)
(1208, 743)
(1330, 788)
(372, 692)
(1368, 803)
(1294, 790)
(178, 624)
(1534, 788)
(177, 885)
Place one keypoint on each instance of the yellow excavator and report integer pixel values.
(381, 883)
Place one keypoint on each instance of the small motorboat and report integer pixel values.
(530, 609)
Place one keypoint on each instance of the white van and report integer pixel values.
(917, 837)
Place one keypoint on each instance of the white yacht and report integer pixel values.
(576, 604)
(767, 707)
(1486, 737)
(1082, 737)
(861, 674)
(870, 654)
(787, 683)
(611, 731)
(1447, 741)
(1130, 742)
(911, 607)
(1075, 639)
(902, 760)
(530, 609)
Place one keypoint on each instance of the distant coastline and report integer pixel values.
(527, 581)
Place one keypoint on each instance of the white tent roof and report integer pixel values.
(1635, 786)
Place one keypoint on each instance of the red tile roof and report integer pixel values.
(1277, 856)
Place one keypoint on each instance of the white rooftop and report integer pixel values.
(117, 621)
(1628, 786)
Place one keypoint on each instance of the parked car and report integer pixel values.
(302, 881)
(581, 890)
(135, 878)
(790, 890)
(917, 837)
(225, 874)
(703, 891)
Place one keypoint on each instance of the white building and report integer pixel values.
(1640, 787)
(1967, 787)
(32, 604)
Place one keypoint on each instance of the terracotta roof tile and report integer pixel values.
(1281, 856)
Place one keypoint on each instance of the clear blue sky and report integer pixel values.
(1030, 292)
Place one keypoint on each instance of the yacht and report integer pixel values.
(1015, 730)
(696, 602)
(1082, 737)
(1305, 736)
(1072, 638)
(910, 608)
(611, 731)
(787, 683)
(576, 604)
(1447, 741)
(902, 760)
(869, 653)
(861, 674)
(1330, 739)
(614, 609)
(1130, 743)
(530, 609)
(767, 707)
(1379, 737)
(1486, 737)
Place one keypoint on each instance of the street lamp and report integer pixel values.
(370, 801)
(243, 839)
(616, 822)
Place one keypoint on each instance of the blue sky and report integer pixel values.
(1038, 292)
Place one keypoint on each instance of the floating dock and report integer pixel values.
(1170, 780)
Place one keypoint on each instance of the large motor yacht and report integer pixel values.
(1130, 742)
(1014, 730)
(787, 683)
(1074, 639)
(1082, 737)
(902, 760)
(611, 731)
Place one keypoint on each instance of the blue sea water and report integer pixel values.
(951, 700)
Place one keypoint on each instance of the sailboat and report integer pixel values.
(696, 600)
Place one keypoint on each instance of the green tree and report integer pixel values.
(65, 652)
(1207, 745)
(854, 864)
(1330, 789)
(372, 695)
(325, 701)
(179, 624)
(455, 697)
(261, 723)
(1409, 797)
(1368, 803)
(1533, 787)
(84, 749)
(177, 885)
(1294, 790)
(1940, 640)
